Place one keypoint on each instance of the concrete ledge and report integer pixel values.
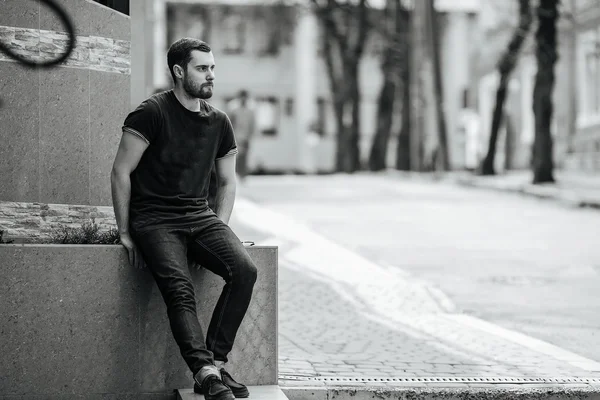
(447, 392)
(79, 322)
(266, 392)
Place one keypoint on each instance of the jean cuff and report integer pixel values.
(206, 371)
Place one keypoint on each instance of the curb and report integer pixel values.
(448, 391)
(525, 190)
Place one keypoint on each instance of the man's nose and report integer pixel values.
(210, 76)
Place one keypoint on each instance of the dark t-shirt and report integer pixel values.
(170, 186)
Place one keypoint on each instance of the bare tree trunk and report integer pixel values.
(345, 32)
(417, 98)
(403, 154)
(403, 146)
(434, 37)
(505, 67)
(385, 109)
(391, 67)
(547, 55)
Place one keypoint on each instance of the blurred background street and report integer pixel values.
(432, 248)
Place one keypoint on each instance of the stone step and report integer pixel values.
(262, 392)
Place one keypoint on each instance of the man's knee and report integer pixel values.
(246, 272)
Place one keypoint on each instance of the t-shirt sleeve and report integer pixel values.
(144, 121)
(228, 146)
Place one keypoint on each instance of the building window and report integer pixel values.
(588, 59)
(289, 107)
(321, 116)
(267, 115)
(234, 30)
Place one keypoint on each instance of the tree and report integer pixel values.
(344, 34)
(546, 56)
(442, 153)
(393, 66)
(506, 65)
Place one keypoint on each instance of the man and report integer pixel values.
(160, 181)
(243, 120)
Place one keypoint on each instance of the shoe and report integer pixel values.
(213, 389)
(239, 390)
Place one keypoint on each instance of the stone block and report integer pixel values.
(65, 135)
(19, 13)
(19, 152)
(106, 120)
(89, 18)
(79, 319)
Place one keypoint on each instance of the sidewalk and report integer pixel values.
(347, 322)
(571, 188)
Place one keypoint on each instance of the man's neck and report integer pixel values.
(191, 103)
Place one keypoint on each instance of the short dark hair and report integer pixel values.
(180, 52)
(243, 93)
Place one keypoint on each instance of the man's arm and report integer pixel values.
(226, 188)
(128, 156)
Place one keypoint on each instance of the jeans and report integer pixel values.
(213, 245)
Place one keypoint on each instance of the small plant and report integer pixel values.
(2, 241)
(88, 233)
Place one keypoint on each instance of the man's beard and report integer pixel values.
(203, 91)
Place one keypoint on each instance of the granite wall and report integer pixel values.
(60, 128)
(80, 323)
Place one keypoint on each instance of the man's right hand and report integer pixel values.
(135, 256)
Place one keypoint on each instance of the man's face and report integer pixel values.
(199, 75)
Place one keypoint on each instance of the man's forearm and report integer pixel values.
(225, 200)
(121, 194)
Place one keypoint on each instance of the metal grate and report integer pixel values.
(454, 379)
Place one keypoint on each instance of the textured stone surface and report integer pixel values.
(53, 110)
(106, 120)
(89, 18)
(19, 13)
(79, 319)
(27, 222)
(64, 136)
(19, 152)
(90, 52)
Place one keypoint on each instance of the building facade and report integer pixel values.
(273, 51)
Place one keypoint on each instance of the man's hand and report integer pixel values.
(135, 256)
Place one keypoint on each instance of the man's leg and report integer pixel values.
(218, 249)
(165, 254)
(242, 158)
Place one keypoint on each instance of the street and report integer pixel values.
(435, 250)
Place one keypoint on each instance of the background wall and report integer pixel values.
(60, 128)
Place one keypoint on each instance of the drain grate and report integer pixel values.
(454, 379)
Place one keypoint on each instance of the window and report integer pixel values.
(267, 115)
(588, 58)
(321, 119)
(233, 32)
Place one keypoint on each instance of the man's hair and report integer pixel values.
(180, 52)
(243, 93)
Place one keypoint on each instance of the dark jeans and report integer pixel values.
(214, 246)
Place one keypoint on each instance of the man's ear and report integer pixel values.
(178, 71)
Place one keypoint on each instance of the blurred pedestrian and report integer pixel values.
(244, 124)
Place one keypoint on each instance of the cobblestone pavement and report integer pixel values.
(344, 316)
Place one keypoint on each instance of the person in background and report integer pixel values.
(244, 123)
